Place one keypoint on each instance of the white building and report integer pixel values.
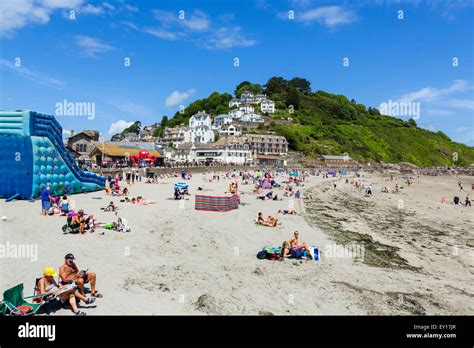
(200, 125)
(260, 97)
(230, 150)
(247, 97)
(247, 109)
(251, 117)
(221, 120)
(176, 136)
(234, 102)
(230, 129)
(236, 114)
(267, 106)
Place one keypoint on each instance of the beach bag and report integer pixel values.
(272, 253)
(261, 255)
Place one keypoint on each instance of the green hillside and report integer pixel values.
(324, 123)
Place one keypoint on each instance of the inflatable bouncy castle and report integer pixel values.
(33, 156)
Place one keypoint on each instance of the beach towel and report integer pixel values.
(269, 253)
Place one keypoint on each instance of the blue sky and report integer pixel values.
(50, 54)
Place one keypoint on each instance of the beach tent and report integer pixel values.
(216, 203)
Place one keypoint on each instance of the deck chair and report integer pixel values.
(69, 227)
(13, 299)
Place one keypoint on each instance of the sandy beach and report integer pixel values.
(418, 255)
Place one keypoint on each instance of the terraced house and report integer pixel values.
(262, 144)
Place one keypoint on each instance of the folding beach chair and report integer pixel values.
(14, 303)
(69, 227)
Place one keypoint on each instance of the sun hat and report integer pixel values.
(50, 272)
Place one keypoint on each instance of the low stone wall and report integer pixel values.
(192, 170)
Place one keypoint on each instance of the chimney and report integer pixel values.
(72, 133)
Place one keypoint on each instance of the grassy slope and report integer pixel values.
(326, 123)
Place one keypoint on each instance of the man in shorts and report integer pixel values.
(68, 272)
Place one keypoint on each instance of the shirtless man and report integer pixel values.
(68, 272)
(81, 221)
(296, 245)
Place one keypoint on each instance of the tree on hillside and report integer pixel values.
(302, 85)
(411, 122)
(254, 88)
(239, 86)
(134, 128)
(164, 121)
(293, 98)
(159, 132)
(276, 85)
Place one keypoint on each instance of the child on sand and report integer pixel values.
(64, 206)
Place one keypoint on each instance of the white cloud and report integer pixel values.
(460, 103)
(196, 27)
(192, 20)
(228, 37)
(119, 126)
(16, 14)
(91, 9)
(161, 33)
(108, 6)
(432, 94)
(91, 46)
(31, 74)
(197, 21)
(131, 8)
(329, 16)
(178, 97)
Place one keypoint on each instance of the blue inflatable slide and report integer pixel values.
(33, 156)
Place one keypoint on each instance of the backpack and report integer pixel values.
(261, 255)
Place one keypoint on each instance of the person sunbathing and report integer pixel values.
(270, 221)
(297, 247)
(141, 201)
(48, 286)
(287, 211)
(125, 192)
(110, 207)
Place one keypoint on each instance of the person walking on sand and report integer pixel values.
(468, 201)
(45, 200)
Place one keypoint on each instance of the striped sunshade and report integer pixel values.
(215, 203)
